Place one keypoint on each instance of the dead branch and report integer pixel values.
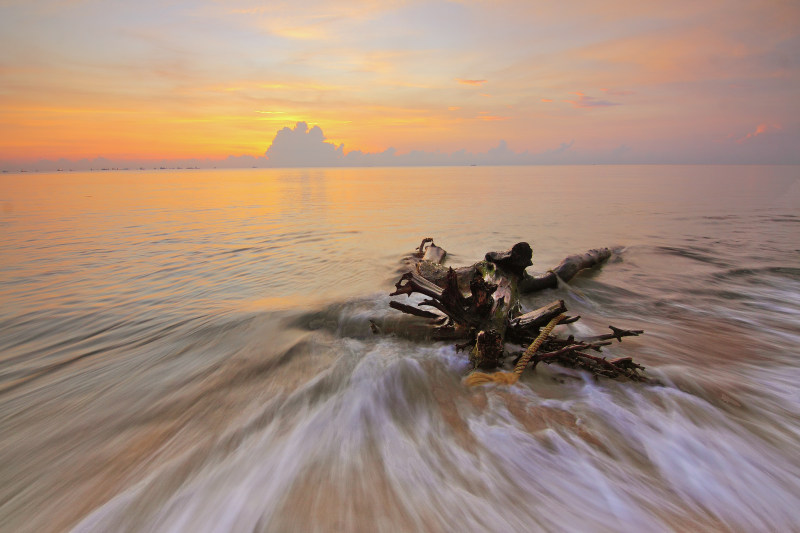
(411, 310)
(618, 334)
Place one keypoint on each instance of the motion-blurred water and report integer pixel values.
(191, 351)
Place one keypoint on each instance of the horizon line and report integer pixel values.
(325, 167)
(302, 146)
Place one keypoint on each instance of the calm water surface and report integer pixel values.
(190, 351)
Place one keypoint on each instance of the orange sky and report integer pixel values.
(153, 80)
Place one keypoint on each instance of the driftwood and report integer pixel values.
(431, 252)
(479, 305)
(565, 270)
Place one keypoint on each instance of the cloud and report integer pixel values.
(589, 101)
(617, 92)
(546, 100)
(470, 82)
(302, 146)
(760, 130)
(562, 148)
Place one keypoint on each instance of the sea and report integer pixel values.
(192, 351)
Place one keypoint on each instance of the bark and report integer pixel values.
(431, 252)
(566, 270)
(572, 356)
(483, 317)
(411, 310)
(526, 327)
(617, 333)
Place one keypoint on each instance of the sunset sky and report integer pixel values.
(612, 81)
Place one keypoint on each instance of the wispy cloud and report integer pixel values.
(589, 101)
(470, 82)
(617, 92)
(210, 78)
(492, 118)
(760, 130)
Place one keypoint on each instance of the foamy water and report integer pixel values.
(191, 351)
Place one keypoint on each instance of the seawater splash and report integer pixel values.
(387, 439)
(194, 353)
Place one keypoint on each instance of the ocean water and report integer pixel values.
(191, 351)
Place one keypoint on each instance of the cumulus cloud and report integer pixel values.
(589, 101)
(357, 158)
(301, 146)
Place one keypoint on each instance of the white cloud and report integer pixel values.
(305, 147)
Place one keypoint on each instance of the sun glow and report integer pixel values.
(212, 81)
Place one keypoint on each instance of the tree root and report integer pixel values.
(490, 315)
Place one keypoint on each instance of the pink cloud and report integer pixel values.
(470, 82)
(546, 100)
(588, 101)
(760, 130)
(617, 92)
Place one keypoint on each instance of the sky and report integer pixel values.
(399, 82)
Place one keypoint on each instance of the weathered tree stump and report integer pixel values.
(480, 304)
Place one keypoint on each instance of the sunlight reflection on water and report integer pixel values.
(191, 351)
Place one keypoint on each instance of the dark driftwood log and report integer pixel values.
(484, 315)
(513, 261)
(491, 315)
(462, 311)
(496, 298)
(434, 254)
(411, 282)
(431, 253)
(525, 328)
(421, 249)
(411, 310)
(565, 270)
(539, 317)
